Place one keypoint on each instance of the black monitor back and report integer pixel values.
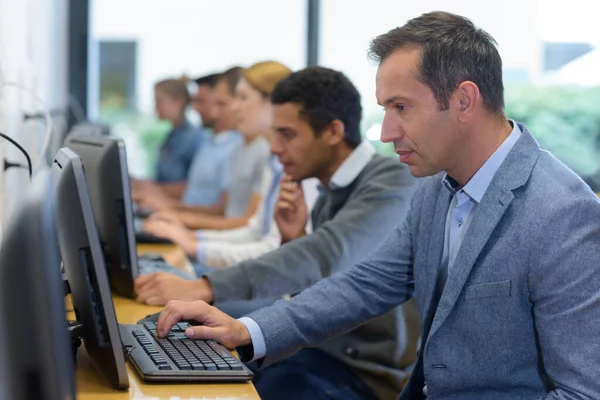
(105, 162)
(85, 270)
(37, 359)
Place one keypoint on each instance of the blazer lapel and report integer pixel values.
(489, 212)
(513, 173)
(435, 248)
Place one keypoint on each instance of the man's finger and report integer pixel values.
(155, 301)
(141, 280)
(285, 205)
(196, 310)
(147, 293)
(288, 187)
(288, 196)
(202, 332)
(145, 286)
(164, 314)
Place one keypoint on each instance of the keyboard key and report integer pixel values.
(210, 367)
(164, 368)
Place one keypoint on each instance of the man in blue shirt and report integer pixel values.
(202, 101)
(208, 181)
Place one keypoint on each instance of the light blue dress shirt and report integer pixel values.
(266, 216)
(210, 174)
(177, 153)
(465, 200)
(342, 177)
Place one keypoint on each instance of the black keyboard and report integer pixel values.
(177, 358)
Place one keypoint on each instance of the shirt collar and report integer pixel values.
(352, 166)
(276, 166)
(225, 136)
(479, 183)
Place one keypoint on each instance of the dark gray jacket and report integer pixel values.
(349, 223)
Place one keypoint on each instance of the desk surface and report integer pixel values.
(91, 386)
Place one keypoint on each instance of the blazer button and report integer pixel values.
(351, 352)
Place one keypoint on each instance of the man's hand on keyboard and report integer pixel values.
(216, 325)
(159, 288)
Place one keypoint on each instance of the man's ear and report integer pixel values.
(467, 95)
(334, 133)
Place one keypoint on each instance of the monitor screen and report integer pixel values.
(106, 171)
(84, 267)
(36, 358)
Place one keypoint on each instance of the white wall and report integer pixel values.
(199, 37)
(348, 28)
(33, 53)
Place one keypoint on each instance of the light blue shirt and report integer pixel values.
(271, 198)
(177, 153)
(210, 173)
(342, 177)
(465, 200)
(267, 214)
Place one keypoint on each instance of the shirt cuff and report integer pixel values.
(259, 346)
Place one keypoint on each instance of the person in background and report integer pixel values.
(179, 148)
(316, 120)
(255, 182)
(202, 101)
(208, 182)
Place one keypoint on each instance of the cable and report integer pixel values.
(22, 151)
(49, 125)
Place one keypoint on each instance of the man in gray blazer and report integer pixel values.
(500, 247)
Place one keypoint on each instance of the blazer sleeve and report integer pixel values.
(564, 283)
(355, 231)
(342, 302)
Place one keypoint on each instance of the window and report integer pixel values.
(168, 39)
(551, 55)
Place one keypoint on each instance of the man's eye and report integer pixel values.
(400, 107)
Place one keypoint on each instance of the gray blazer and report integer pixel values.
(520, 314)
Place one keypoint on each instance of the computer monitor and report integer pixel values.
(105, 162)
(84, 267)
(36, 351)
(89, 128)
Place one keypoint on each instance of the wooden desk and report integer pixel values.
(92, 386)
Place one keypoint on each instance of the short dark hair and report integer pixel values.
(231, 77)
(452, 51)
(209, 80)
(324, 95)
